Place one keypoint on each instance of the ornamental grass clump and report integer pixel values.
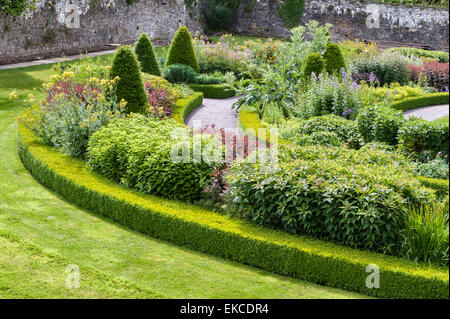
(181, 50)
(130, 87)
(146, 55)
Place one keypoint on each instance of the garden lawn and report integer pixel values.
(42, 233)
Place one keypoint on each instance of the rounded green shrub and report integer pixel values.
(138, 152)
(146, 55)
(314, 64)
(179, 73)
(181, 50)
(130, 86)
(334, 60)
(344, 131)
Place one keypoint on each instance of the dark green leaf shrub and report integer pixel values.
(355, 198)
(291, 12)
(181, 50)
(314, 64)
(380, 123)
(424, 139)
(136, 151)
(129, 86)
(220, 14)
(180, 73)
(146, 55)
(338, 129)
(389, 68)
(208, 79)
(334, 60)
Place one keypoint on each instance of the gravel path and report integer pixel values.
(215, 111)
(54, 60)
(429, 113)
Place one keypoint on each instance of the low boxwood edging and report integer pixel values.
(214, 91)
(250, 120)
(421, 101)
(238, 240)
(439, 185)
(184, 107)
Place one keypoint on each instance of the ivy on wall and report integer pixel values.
(16, 8)
(291, 12)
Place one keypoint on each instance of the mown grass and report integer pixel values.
(135, 265)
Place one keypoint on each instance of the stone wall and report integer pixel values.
(44, 32)
(410, 24)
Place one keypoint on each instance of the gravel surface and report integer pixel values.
(215, 111)
(429, 113)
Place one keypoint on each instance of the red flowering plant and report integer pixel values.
(436, 74)
(236, 146)
(161, 96)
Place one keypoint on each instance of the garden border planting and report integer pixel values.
(421, 101)
(250, 120)
(214, 91)
(199, 229)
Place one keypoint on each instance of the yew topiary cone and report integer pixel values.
(130, 86)
(181, 50)
(146, 55)
(334, 60)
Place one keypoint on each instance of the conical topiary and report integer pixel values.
(130, 86)
(146, 55)
(181, 50)
(334, 60)
(313, 64)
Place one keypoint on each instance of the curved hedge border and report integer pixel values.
(238, 240)
(421, 101)
(250, 120)
(184, 107)
(214, 91)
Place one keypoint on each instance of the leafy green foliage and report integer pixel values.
(179, 73)
(439, 56)
(314, 64)
(380, 123)
(355, 198)
(16, 8)
(425, 236)
(220, 14)
(146, 55)
(181, 50)
(389, 68)
(129, 86)
(437, 168)
(424, 100)
(424, 139)
(137, 152)
(291, 12)
(343, 130)
(334, 60)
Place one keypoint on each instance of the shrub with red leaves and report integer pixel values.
(160, 100)
(435, 72)
(72, 89)
(237, 146)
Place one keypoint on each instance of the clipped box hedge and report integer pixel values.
(421, 101)
(214, 91)
(238, 240)
(184, 107)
